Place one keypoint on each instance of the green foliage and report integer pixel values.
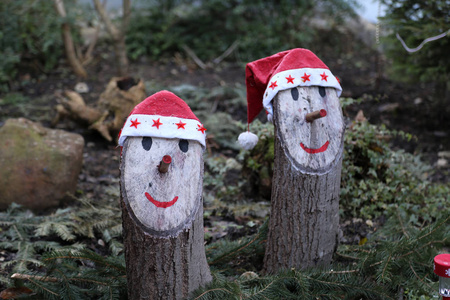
(376, 179)
(398, 258)
(216, 186)
(13, 99)
(30, 36)
(415, 21)
(81, 274)
(210, 27)
(29, 236)
(233, 256)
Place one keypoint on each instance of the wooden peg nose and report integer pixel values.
(315, 115)
(165, 163)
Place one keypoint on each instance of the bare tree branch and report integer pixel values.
(117, 35)
(68, 42)
(192, 55)
(226, 53)
(427, 40)
(126, 15)
(112, 30)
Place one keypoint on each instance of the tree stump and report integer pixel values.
(161, 199)
(304, 222)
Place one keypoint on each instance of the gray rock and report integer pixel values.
(38, 166)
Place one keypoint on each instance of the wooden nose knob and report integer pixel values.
(315, 115)
(165, 163)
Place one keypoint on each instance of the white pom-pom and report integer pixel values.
(247, 140)
(270, 118)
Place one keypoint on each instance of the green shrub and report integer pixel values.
(377, 179)
(210, 27)
(31, 37)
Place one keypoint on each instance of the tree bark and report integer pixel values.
(159, 268)
(304, 220)
(162, 264)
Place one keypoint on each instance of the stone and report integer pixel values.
(39, 167)
(81, 88)
(441, 163)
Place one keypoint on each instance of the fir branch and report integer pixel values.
(99, 261)
(43, 287)
(386, 266)
(436, 228)
(212, 291)
(18, 232)
(259, 236)
(401, 223)
(345, 287)
(268, 286)
(420, 279)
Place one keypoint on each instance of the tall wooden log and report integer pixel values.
(162, 216)
(304, 221)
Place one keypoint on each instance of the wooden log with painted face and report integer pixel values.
(161, 189)
(302, 96)
(313, 146)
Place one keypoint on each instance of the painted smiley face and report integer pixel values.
(312, 145)
(162, 203)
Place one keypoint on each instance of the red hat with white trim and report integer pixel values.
(265, 77)
(163, 115)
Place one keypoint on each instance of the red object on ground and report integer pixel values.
(442, 265)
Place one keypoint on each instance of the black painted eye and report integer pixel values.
(184, 145)
(146, 143)
(294, 93)
(322, 91)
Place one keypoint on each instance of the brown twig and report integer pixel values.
(343, 272)
(385, 266)
(88, 55)
(194, 57)
(226, 53)
(420, 279)
(35, 277)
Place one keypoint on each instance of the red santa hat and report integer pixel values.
(163, 115)
(265, 77)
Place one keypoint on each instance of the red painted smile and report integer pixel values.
(161, 204)
(318, 150)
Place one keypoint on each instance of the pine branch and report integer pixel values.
(239, 249)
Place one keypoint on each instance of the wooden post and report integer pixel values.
(162, 216)
(304, 221)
